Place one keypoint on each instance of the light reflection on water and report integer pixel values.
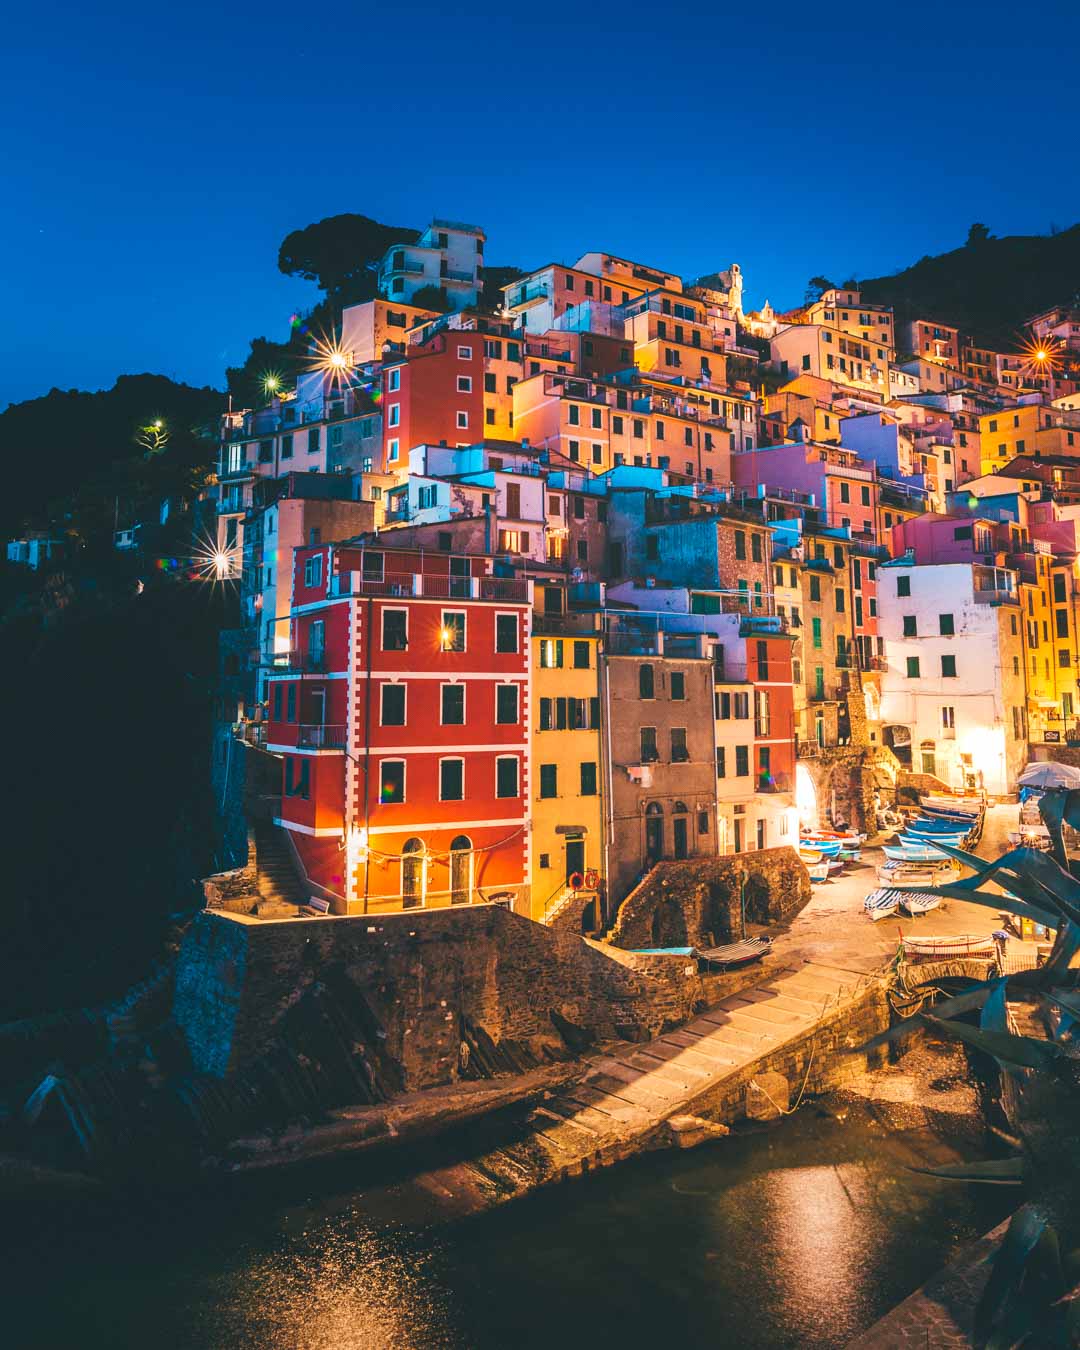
(801, 1236)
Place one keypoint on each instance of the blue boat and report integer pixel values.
(929, 840)
(828, 848)
(923, 825)
(908, 853)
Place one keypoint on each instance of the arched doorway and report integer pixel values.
(413, 873)
(680, 830)
(654, 833)
(806, 802)
(461, 867)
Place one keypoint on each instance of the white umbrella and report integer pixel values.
(1050, 775)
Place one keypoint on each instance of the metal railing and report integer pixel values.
(318, 736)
(298, 660)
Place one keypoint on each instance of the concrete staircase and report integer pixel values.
(281, 891)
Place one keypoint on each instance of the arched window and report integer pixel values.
(412, 873)
(645, 682)
(654, 832)
(680, 809)
(461, 866)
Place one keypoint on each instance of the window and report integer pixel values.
(742, 761)
(740, 545)
(313, 440)
(392, 706)
(815, 628)
(277, 703)
(451, 780)
(395, 630)
(506, 704)
(910, 626)
(549, 780)
(506, 776)
(297, 777)
(464, 353)
(452, 636)
(838, 598)
(391, 781)
(506, 632)
(453, 705)
(1064, 658)
(581, 656)
(648, 745)
(946, 626)
(948, 667)
(903, 585)
(721, 762)
(913, 667)
(412, 873)
(316, 644)
(678, 685)
(395, 415)
(464, 384)
(679, 752)
(864, 496)
(461, 421)
(755, 547)
(394, 379)
(286, 447)
(646, 682)
(948, 719)
(845, 491)
(551, 653)
(1061, 622)
(313, 571)
(815, 588)
(290, 703)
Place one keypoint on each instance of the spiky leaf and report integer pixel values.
(1023, 1051)
(995, 1172)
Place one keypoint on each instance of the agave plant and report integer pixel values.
(1032, 1296)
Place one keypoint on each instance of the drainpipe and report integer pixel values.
(607, 803)
(367, 754)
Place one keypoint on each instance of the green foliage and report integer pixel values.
(70, 445)
(977, 234)
(341, 254)
(433, 298)
(989, 287)
(495, 278)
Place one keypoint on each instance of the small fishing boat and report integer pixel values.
(949, 814)
(931, 841)
(737, 954)
(881, 903)
(931, 873)
(918, 902)
(910, 853)
(848, 838)
(925, 825)
(962, 944)
(819, 871)
(828, 848)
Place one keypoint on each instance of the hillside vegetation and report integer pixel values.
(989, 287)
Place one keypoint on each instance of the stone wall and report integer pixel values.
(424, 977)
(697, 902)
(845, 778)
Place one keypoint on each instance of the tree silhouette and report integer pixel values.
(977, 234)
(342, 254)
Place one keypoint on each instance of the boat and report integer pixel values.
(962, 944)
(926, 825)
(819, 871)
(881, 903)
(828, 848)
(737, 954)
(931, 840)
(930, 873)
(810, 855)
(950, 814)
(911, 853)
(848, 838)
(918, 902)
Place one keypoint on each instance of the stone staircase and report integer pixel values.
(281, 891)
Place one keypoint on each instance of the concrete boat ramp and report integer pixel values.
(748, 1056)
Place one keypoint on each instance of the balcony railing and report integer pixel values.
(303, 661)
(318, 736)
(432, 586)
(566, 625)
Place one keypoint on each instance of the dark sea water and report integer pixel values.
(802, 1235)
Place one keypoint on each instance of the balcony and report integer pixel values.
(407, 269)
(777, 782)
(433, 586)
(527, 295)
(251, 733)
(318, 736)
(466, 277)
(302, 662)
(566, 625)
(995, 595)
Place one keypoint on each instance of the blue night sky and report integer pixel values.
(156, 156)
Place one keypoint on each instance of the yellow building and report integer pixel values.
(1023, 430)
(566, 777)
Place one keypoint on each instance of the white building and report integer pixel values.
(449, 254)
(954, 685)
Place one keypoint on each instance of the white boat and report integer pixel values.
(881, 903)
(907, 853)
(963, 944)
(917, 902)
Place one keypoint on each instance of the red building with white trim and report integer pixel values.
(402, 714)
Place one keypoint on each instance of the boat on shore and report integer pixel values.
(961, 944)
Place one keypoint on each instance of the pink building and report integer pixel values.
(840, 483)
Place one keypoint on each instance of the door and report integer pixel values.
(738, 835)
(575, 857)
(682, 848)
(654, 834)
(460, 582)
